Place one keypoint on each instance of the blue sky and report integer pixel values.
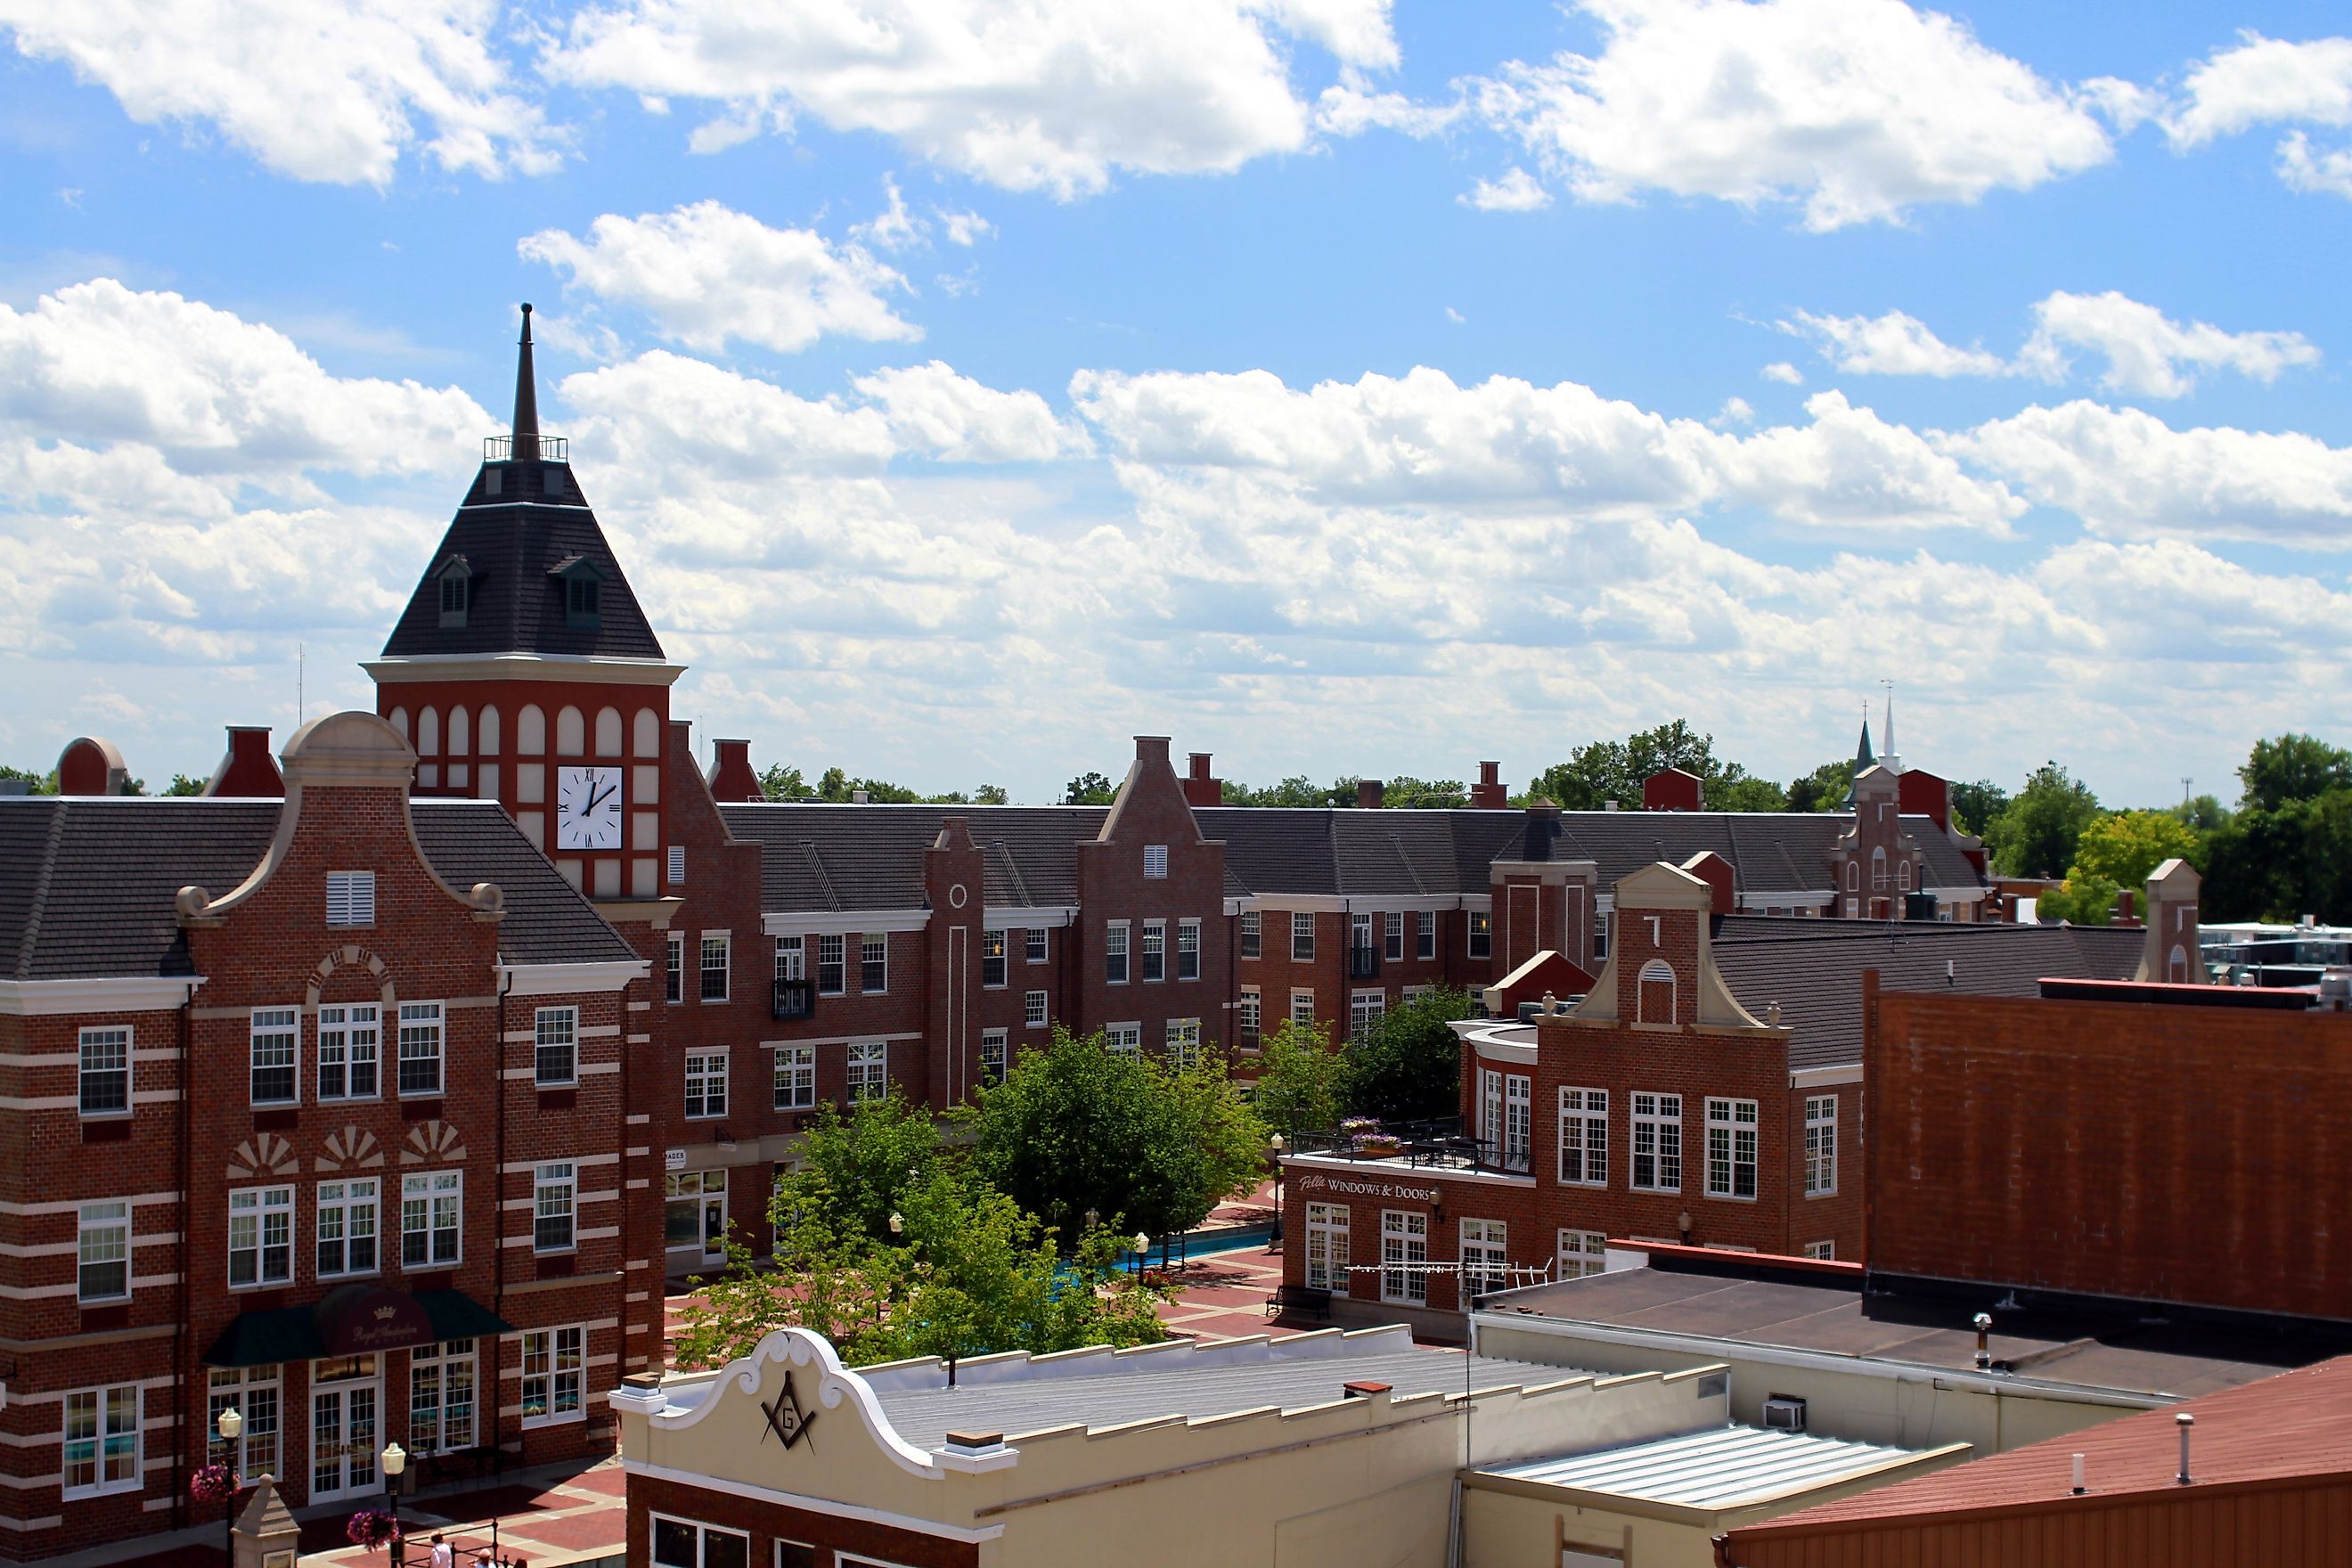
(1338, 388)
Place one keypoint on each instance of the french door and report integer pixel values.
(346, 1401)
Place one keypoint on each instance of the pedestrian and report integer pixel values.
(443, 1557)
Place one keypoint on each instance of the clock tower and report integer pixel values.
(524, 670)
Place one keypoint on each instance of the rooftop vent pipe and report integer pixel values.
(1984, 1334)
(2184, 1421)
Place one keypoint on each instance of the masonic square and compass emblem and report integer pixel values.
(786, 1419)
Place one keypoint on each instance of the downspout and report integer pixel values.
(499, 1194)
(181, 1380)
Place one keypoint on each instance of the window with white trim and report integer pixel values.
(994, 960)
(1115, 953)
(792, 958)
(253, 1392)
(1155, 862)
(555, 1060)
(1584, 1137)
(1583, 1252)
(442, 1385)
(1392, 938)
(1404, 1247)
(1183, 1044)
(1731, 1148)
(994, 1052)
(1600, 919)
(349, 1036)
(260, 1236)
(103, 1246)
(1302, 1008)
(1653, 993)
(680, 1544)
(1821, 1146)
(1033, 1009)
(869, 1071)
(420, 1048)
(1365, 1008)
(277, 1043)
(1250, 933)
(794, 1554)
(1034, 948)
(1425, 935)
(351, 899)
(795, 1077)
(554, 1206)
(717, 967)
(1481, 933)
(1155, 949)
(1188, 950)
(1657, 1155)
(1360, 933)
(1326, 1248)
(706, 1085)
(1302, 938)
(105, 1071)
(554, 1364)
(432, 1205)
(1123, 1040)
(1820, 1251)
(674, 967)
(874, 963)
(832, 977)
(1485, 1259)
(101, 1444)
(1245, 1015)
(1519, 1121)
(347, 1227)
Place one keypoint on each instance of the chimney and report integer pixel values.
(2169, 952)
(1368, 793)
(1488, 794)
(1152, 749)
(859, 797)
(247, 771)
(731, 778)
(1200, 789)
(91, 767)
(1673, 789)
(2123, 914)
(1717, 872)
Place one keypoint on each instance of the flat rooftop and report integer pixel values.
(1718, 1470)
(1755, 1303)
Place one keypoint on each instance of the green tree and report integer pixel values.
(2292, 767)
(2084, 898)
(1408, 1065)
(991, 794)
(181, 784)
(1747, 795)
(43, 784)
(1824, 789)
(781, 783)
(1974, 805)
(2205, 813)
(1298, 1079)
(2280, 864)
(833, 785)
(1424, 794)
(1294, 791)
(2037, 835)
(1089, 788)
(1602, 771)
(854, 1168)
(2122, 848)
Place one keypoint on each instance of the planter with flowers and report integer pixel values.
(372, 1528)
(212, 1483)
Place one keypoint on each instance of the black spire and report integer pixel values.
(526, 414)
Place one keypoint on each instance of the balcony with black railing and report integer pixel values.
(1363, 962)
(526, 448)
(1437, 1144)
(795, 998)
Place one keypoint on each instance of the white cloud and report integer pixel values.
(1857, 109)
(1892, 344)
(2146, 351)
(333, 91)
(963, 227)
(2324, 170)
(664, 411)
(1517, 191)
(706, 274)
(892, 228)
(1784, 373)
(1057, 95)
(1734, 412)
(2263, 81)
(1456, 317)
(1351, 107)
(931, 409)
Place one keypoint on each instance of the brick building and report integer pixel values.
(315, 1110)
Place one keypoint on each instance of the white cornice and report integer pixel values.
(593, 669)
(1822, 1077)
(842, 923)
(110, 993)
(563, 979)
(1033, 918)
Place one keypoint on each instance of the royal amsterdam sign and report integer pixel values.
(1353, 1189)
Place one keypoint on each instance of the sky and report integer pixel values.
(1340, 386)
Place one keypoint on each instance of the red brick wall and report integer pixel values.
(1112, 887)
(767, 1522)
(2168, 1154)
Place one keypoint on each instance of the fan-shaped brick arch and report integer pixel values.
(431, 1142)
(352, 1146)
(263, 1153)
(342, 956)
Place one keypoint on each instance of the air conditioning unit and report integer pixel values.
(1784, 1413)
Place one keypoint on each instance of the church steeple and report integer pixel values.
(1862, 757)
(526, 413)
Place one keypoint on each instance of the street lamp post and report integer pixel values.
(231, 1426)
(395, 1460)
(1274, 1237)
(1142, 1250)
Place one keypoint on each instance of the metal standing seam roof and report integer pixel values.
(1724, 1467)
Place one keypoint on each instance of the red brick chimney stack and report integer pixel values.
(731, 778)
(1489, 792)
(1200, 789)
(91, 767)
(247, 771)
(1369, 793)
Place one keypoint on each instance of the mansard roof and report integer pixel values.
(87, 882)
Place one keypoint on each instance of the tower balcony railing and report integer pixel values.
(1363, 962)
(795, 998)
(551, 448)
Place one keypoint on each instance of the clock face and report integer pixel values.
(588, 808)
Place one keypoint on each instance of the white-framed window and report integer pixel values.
(102, 1450)
(706, 1085)
(1731, 1148)
(105, 1071)
(994, 1051)
(874, 963)
(1115, 953)
(869, 1071)
(674, 967)
(1519, 1121)
(103, 1246)
(1880, 879)
(995, 960)
(717, 967)
(1033, 1009)
(1184, 1043)
(1360, 933)
(1822, 1251)
(1584, 1137)
(1188, 950)
(554, 1206)
(1155, 949)
(1481, 926)
(1245, 1015)
(1426, 946)
(350, 1047)
(277, 1043)
(441, 1395)
(1123, 1040)
(832, 977)
(1821, 1146)
(1302, 937)
(795, 1077)
(1404, 1245)
(432, 1206)
(1251, 938)
(1653, 993)
(1600, 919)
(1302, 1008)
(792, 958)
(260, 1236)
(1485, 1259)
(554, 1363)
(1583, 1252)
(1034, 948)
(1902, 875)
(253, 1392)
(1657, 1157)
(556, 1060)
(1853, 906)
(674, 865)
(681, 1544)
(1326, 1248)
(1392, 938)
(350, 897)
(347, 1227)
(1155, 862)
(420, 1048)
(1365, 1008)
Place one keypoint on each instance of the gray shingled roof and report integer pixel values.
(86, 883)
(825, 857)
(1813, 968)
(511, 541)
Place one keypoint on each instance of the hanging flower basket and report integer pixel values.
(372, 1528)
(212, 1483)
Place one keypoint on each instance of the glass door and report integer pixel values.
(344, 1398)
(714, 1217)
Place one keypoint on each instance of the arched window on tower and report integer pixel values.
(461, 733)
(487, 743)
(1879, 879)
(570, 732)
(608, 732)
(648, 736)
(428, 732)
(1853, 875)
(531, 731)
(1903, 875)
(1655, 993)
(2176, 967)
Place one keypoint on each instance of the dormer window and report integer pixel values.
(580, 602)
(456, 582)
(583, 587)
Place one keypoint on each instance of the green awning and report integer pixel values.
(278, 1334)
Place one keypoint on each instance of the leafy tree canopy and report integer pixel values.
(2122, 848)
(1974, 805)
(1824, 789)
(1089, 788)
(2292, 767)
(1602, 771)
(1299, 1078)
(2037, 835)
(1408, 1065)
